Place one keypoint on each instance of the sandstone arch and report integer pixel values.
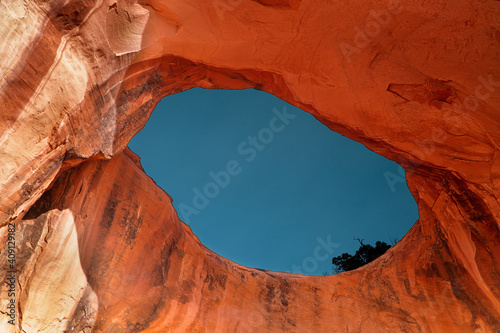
(102, 244)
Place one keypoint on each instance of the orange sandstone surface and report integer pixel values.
(99, 247)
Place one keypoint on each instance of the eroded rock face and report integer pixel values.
(99, 246)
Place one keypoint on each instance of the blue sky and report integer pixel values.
(265, 184)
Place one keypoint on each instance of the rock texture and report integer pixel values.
(99, 246)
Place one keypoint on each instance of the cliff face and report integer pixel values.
(99, 247)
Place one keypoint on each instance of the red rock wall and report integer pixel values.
(99, 246)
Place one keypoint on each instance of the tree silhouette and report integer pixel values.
(365, 254)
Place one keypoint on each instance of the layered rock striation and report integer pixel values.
(99, 247)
